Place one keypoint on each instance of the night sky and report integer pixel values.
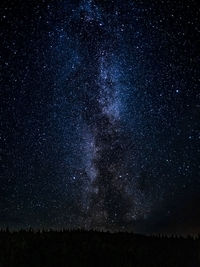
(100, 115)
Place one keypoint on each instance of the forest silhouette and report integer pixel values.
(28, 248)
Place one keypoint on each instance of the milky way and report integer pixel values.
(110, 204)
(100, 116)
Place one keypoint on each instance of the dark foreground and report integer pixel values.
(85, 249)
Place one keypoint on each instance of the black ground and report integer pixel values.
(85, 249)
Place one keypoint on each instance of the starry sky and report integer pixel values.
(100, 113)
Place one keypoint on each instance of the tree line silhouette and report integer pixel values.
(28, 248)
